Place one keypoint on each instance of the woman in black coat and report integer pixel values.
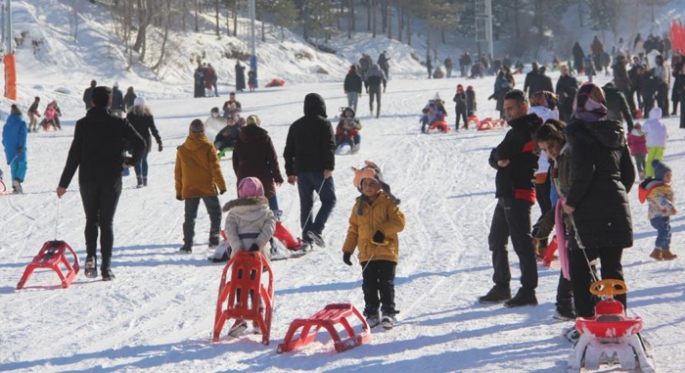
(239, 76)
(142, 120)
(601, 175)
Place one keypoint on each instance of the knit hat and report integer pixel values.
(253, 120)
(140, 100)
(660, 169)
(250, 187)
(197, 126)
(590, 103)
(371, 170)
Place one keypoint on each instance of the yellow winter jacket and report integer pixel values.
(198, 173)
(382, 215)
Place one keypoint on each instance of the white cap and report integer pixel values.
(116, 84)
(140, 100)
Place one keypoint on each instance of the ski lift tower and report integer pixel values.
(484, 24)
(253, 40)
(8, 54)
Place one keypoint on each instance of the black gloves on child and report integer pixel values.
(378, 237)
(346, 258)
(254, 247)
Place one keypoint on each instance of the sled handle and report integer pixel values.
(609, 288)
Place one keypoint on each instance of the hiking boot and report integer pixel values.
(140, 183)
(668, 255)
(522, 298)
(496, 295)
(387, 322)
(107, 274)
(316, 239)
(372, 318)
(91, 268)
(656, 254)
(564, 312)
(16, 186)
(144, 181)
(238, 328)
(186, 248)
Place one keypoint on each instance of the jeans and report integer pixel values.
(611, 268)
(307, 184)
(512, 218)
(141, 167)
(273, 205)
(379, 278)
(18, 170)
(375, 92)
(214, 211)
(100, 204)
(662, 225)
(352, 99)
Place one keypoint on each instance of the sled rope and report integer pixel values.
(347, 297)
(318, 196)
(59, 203)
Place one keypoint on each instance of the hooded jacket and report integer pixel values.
(637, 142)
(142, 120)
(310, 145)
(655, 129)
(249, 222)
(617, 106)
(375, 77)
(14, 137)
(381, 215)
(517, 179)
(353, 82)
(254, 155)
(602, 174)
(198, 173)
(97, 150)
(659, 196)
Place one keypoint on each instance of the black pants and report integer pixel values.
(100, 204)
(512, 218)
(375, 93)
(214, 211)
(379, 277)
(461, 114)
(662, 98)
(542, 192)
(564, 291)
(581, 274)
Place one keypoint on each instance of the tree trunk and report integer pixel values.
(183, 16)
(368, 14)
(580, 12)
(350, 18)
(384, 15)
(228, 22)
(517, 11)
(389, 12)
(235, 18)
(354, 26)
(166, 35)
(400, 21)
(373, 17)
(142, 26)
(216, 16)
(339, 15)
(409, 27)
(197, 24)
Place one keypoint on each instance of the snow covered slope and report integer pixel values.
(158, 314)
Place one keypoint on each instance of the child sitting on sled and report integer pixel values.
(347, 131)
(433, 117)
(226, 138)
(374, 224)
(661, 201)
(49, 118)
(249, 226)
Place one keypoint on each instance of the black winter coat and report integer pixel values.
(460, 102)
(239, 77)
(254, 155)
(617, 106)
(353, 83)
(129, 99)
(602, 174)
(471, 105)
(621, 78)
(540, 83)
(518, 148)
(88, 97)
(310, 145)
(145, 125)
(98, 148)
(117, 99)
(567, 87)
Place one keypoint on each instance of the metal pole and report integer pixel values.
(488, 28)
(253, 40)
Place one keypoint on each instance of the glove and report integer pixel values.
(378, 237)
(159, 146)
(346, 258)
(222, 191)
(179, 198)
(254, 247)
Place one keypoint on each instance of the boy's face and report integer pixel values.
(231, 122)
(552, 148)
(370, 187)
(668, 176)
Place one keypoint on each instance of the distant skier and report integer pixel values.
(199, 77)
(375, 222)
(449, 65)
(129, 99)
(239, 76)
(364, 65)
(252, 80)
(471, 104)
(14, 141)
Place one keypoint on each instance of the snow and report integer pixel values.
(158, 314)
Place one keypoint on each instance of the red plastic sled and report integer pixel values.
(441, 125)
(50, 256)
(327, 318)
(549, 253)
(283, 234)
(247, 269)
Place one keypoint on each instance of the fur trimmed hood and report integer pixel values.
(252, 201)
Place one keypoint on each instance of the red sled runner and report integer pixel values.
(50, 256)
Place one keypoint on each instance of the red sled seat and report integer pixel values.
(254, 301)
(51, 256)
(610, 320)
(327, 318)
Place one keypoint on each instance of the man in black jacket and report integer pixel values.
(528, 83)
(118, 105)
(374, 78)
(98, 152)
(515, 160)
(309, 161)
(567, 86)
(353, 87)
(88, 95)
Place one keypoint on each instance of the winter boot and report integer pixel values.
(565, 312)
(144, 181)
(316, 239)
(572, 334)
(107, 274)
(387, 322)
(16, 187)
(372, 319)
(656, 254)
(668, 255)
(186, 248)
(378, 111)
(91, 270)
(140, 182)
(496, 295)
(522, 298)
(238, 328)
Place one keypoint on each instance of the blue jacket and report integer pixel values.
(14, 137)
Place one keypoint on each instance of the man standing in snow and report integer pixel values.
(374, 79)
(383, 63)
(118, 105)
(88, 95)
(309, 161)
(98, 152)
(663, 75)
(353, 87)
(515, 161)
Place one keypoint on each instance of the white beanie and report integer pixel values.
(140, 100)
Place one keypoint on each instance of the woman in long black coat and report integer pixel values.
(601, 175)
(239, 76)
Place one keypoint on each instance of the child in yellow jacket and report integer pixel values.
(374, 224)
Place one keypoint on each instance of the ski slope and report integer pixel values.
(158, 314)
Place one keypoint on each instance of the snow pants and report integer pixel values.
(213, 209)
(18, 170)
(512, 219)
(309, 183)
(379, 279)
(653, 152)
(100, 204)
(611, 268)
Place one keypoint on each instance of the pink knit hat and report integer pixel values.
(250, 187)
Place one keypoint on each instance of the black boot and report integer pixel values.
(522, 298)
(496, 295)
